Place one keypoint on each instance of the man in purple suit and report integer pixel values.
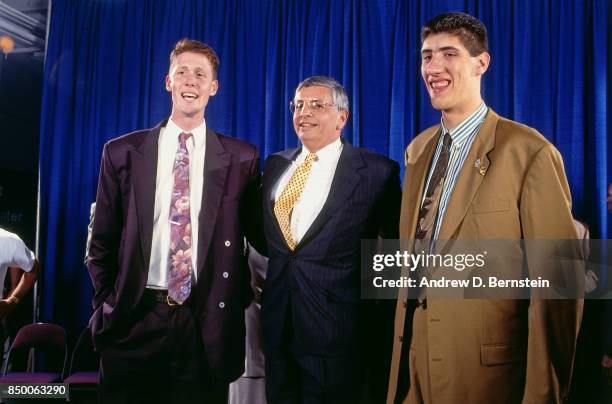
(166, 258)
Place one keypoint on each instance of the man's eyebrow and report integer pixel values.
(442, 49)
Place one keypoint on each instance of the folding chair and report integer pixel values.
(84, 376)
(47, 339)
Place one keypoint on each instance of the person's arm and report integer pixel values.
(102, 259)
(251, 209)
(389, 205)
(92, 212)
(26, 283)
(15, 274)
(545, 210)
(379, 314)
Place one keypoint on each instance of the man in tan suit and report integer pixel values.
(479, 176)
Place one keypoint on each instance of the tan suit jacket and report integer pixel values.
(493, 351)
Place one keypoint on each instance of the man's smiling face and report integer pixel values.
(191, 81)
(451, 75)
(317, 128)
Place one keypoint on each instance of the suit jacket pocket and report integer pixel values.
(491, 205)
(491, 355)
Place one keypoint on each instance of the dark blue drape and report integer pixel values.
(106, 62)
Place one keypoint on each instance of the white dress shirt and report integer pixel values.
(316, 190)
(13, 253)
(166, 153)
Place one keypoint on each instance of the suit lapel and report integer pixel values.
(470, 176)
(345, 180)
(414, 182)
(417, 168)
(216, 166)
(144, 176)
(274, 170)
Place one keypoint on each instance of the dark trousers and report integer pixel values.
(160, 360)
(310, 379)
(293, 376)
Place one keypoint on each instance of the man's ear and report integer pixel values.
(168, 83)
(482, 63)
(342, 119)
(214, 87)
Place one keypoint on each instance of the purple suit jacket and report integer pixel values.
(122, 236)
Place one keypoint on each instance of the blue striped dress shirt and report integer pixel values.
(462, 138)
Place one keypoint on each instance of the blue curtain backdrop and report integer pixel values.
(107, 59)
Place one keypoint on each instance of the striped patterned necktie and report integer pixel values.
(429, 211)
(289, 197)
(431, 200)
(179, 282)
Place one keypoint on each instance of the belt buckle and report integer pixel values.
(171, 302)
(422, 303)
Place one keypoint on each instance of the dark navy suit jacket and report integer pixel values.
(122, 237)
(318, 284)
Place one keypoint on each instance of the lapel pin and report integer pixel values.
(482, 170)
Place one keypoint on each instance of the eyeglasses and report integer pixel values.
(315, 106)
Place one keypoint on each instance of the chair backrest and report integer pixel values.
(44, 336)
(84, 358)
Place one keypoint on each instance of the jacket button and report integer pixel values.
(225, 275)
(227, 243)
(221, 305)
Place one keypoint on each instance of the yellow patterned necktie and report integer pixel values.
(289, 197)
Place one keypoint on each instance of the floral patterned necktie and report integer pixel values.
(179, 282)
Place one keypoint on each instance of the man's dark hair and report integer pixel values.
(470, 30)
(191, 45)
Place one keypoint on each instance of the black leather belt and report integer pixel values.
(159, 296)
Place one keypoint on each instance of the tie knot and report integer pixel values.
(446, 141)
(311, 157)
(183, 138)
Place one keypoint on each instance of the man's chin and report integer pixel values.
(438, 104)
(192, 112)
(305, 134)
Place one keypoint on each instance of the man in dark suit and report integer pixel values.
(167, 252)
(320, 201)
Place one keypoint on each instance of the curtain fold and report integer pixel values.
(107, 60)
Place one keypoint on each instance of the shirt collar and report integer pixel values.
(463, 131)
(199, 133)
(324, 154)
